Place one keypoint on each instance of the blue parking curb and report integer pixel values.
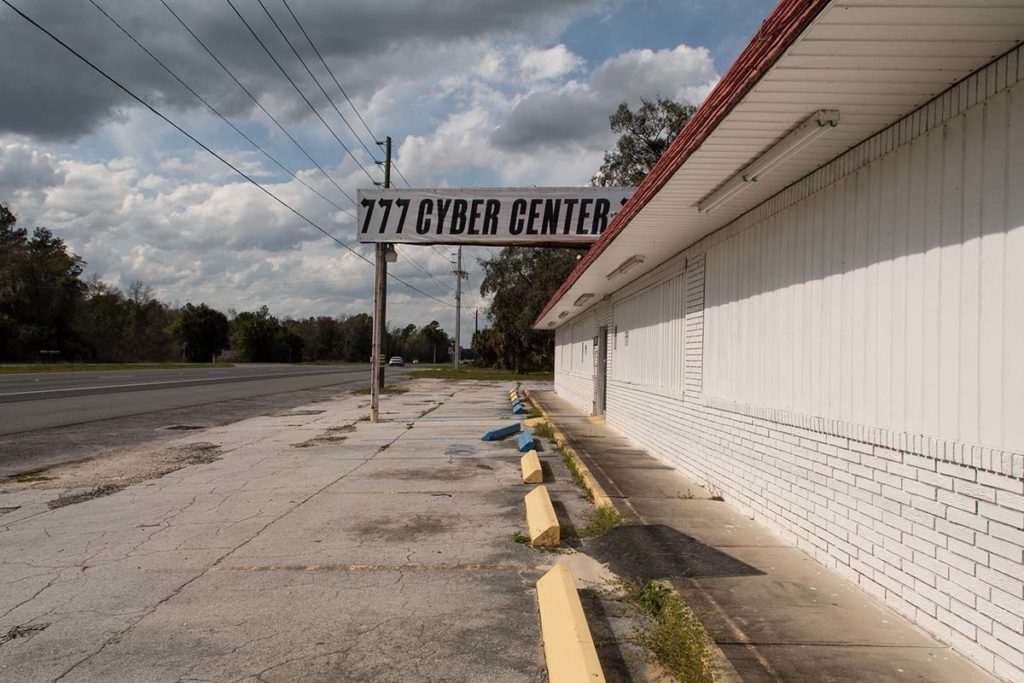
(526, 442)
(501, 432)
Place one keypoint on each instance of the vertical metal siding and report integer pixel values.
(650, 342)
(893, 297)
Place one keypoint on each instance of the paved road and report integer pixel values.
(50, 418)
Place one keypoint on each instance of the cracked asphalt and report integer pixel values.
(316, 546)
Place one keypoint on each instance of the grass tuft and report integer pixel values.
(520, 537)
(604, 520)
(674, 636)
(545, 430)
(574, 471)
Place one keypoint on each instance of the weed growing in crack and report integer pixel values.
(674, 635)
(520, 537)
(574, 471)
(604, 520)
(534, 412)
(545, 430)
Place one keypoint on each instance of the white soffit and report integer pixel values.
(873, 60)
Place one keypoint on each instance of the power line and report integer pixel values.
(313, 76)
(355, 109)
(373, 136)
(256, 101)
(298, 90)
(212, 153)
(215, 111)
(416, 263)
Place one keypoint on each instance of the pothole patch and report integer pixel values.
(182, 428)
(83, 495)
(199, 453)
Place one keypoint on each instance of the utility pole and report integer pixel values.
(382, 253)
(460, 274)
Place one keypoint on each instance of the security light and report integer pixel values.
(812, 128)
(626, 266)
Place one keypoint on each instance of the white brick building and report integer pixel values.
(838, 347)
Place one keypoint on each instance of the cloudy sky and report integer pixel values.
(474, 93)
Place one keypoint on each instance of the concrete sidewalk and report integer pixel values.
(777, 614)
(306, 545)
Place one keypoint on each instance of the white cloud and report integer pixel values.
(553, 62)
(684, 73)
(575, 114)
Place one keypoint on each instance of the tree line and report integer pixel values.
(48, 311)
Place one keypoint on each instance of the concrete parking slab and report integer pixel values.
(309, 545)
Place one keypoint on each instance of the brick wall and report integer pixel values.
(938, 541)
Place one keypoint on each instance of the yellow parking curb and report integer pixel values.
(532, 421)
(532, 472)
(568, 646)
(540, 518)
(601, 499)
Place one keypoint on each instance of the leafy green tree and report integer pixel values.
(202, 332)
(101, 321)
(40, 288)
(520, 281)
(436, 343)
(486, 343)
(148, 320)
(258, 337)
(357, 337)
(644, 135)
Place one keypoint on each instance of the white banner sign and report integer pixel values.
(489, 216)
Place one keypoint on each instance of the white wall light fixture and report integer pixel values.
(809, 130)
(582, 299)
(626, 266)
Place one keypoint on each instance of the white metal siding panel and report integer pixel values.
(765, 316)
(574, 364)
(651, 335)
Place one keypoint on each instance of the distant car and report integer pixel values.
(415, 361)
(396, 361)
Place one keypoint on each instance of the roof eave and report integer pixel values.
(777, 33)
